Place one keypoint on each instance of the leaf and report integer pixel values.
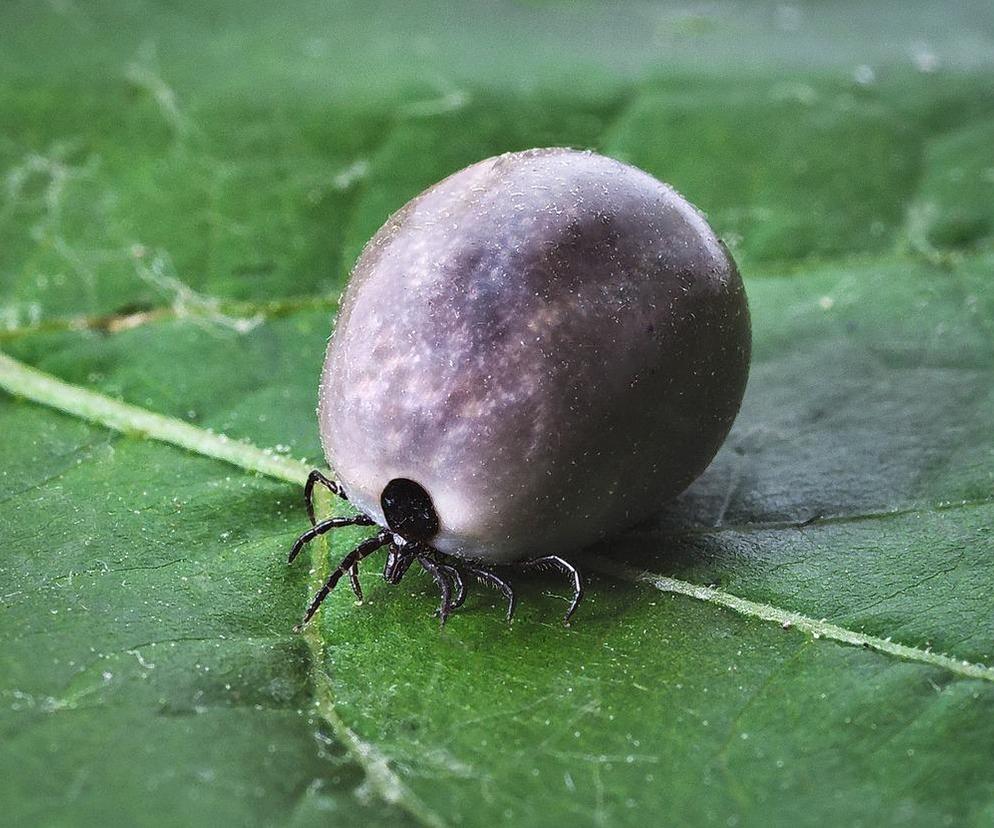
(804, 637)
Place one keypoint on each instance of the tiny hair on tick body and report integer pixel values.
(532, 355)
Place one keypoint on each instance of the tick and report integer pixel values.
(532, 355)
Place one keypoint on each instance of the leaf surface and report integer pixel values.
(185, 189)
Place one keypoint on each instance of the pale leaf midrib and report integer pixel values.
(22, 380)
(28, 382)
(792, 620)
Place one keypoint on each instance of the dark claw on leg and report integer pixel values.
(555, 562)
(354, 581)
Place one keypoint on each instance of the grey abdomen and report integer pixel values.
(551, 343)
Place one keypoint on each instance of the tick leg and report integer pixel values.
(456, 577)
(494, 581)
(555, 562)
(441, 582)
(326, 526)
(354, 583)
(364, 549)
(316, 477)
(361, 520)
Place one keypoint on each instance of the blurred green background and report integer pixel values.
(185, 186)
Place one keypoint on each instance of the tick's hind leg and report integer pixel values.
(555, 562)
(493, 580)
(332, 486)
(482, 574)
(451, 570)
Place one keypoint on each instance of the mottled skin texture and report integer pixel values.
(552, 343)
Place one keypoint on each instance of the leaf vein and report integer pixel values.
(787, 619)
(22, 380)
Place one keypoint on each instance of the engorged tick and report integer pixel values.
(531, 355)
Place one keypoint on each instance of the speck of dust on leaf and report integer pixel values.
(22, 380)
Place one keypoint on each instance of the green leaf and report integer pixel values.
(803, 637)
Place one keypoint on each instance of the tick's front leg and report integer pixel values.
(332, 486)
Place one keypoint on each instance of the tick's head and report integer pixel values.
(409, 511)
